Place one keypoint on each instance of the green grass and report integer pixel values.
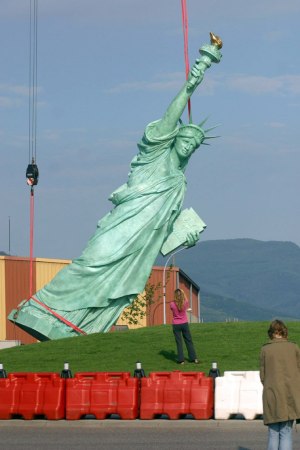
(233, 345)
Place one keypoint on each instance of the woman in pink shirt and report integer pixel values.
(179, 307)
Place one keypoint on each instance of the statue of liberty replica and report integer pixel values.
(88, 295)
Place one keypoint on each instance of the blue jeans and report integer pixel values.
(280, 436)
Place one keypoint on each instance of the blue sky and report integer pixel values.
(105, 70)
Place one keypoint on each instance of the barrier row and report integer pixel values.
(102, 394)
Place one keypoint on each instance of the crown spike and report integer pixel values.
(203, 122)
(211, 128)
(211, 137)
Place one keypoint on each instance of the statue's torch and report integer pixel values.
(210, 53)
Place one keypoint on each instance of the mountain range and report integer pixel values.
(244, 279)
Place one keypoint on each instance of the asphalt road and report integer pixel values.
(137, 434)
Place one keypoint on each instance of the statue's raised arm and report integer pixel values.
(209, 53)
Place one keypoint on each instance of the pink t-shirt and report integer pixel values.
(179, 316)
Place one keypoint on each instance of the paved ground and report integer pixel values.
(137, 434)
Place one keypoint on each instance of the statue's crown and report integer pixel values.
(191, 130)
(195, 131)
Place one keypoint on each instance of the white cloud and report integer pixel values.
(274, 36)
(251, 84)
(51, 135)
(166, 82)
(55, 135)
(292, 83)
(117, 144)
(6, 102)
(16, 89)
(14, 95)
(255, 84)
(276, 125)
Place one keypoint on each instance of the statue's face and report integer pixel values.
(184, 147)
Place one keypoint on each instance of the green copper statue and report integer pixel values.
(93, 290)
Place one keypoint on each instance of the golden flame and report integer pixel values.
(215, 40)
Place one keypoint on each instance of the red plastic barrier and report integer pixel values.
(32, 394)
(175, 394)
(102, 394)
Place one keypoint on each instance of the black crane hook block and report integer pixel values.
(32, 174)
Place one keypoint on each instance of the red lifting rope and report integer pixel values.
(185, 28)
(31, 241)
(58, 316)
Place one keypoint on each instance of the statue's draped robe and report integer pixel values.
(92, 291)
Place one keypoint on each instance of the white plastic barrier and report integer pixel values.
(238, 393)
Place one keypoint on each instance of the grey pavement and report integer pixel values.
(136, 434)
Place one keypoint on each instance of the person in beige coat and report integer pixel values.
(280, 376)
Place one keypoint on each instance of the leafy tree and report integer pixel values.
(140, 306)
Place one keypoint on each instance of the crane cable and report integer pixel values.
(32, 172)
(33, 66)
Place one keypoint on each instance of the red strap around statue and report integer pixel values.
(58, 316)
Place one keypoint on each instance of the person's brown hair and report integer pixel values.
(179, 298)
(279, 328)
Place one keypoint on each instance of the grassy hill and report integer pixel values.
(234, 346)
(265, 276)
